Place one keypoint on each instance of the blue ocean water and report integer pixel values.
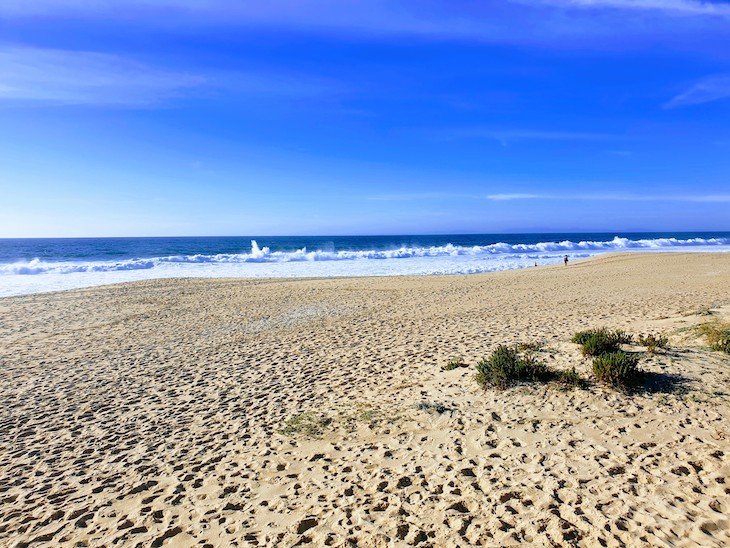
(34, 265)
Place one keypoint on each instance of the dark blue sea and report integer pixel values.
(47, 264)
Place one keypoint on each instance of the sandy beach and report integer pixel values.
(222, 412)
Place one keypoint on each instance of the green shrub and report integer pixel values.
(507, 366)
(718, 335)
(570, 378)
(582, 336)
(652, 342)
(595, 342)
(723, 345)
(617, 368)
(454, 363)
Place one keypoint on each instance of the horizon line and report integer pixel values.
(254, 236)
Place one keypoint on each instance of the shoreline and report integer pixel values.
(558, 264)
(286, 411)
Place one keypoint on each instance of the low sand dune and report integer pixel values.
(275, 412)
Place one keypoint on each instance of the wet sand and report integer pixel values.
(202, 412)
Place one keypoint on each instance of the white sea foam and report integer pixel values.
(37, 276)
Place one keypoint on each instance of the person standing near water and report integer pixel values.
(565, 260)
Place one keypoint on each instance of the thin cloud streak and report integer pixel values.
(622, 197)
(336, 10)
(515, 196)
(710, 89)
(507, 136)
(65, 77)
(81, 77)
(377, 17)
(518, 196)
(684, 7)
(437, 20)
(418, 196)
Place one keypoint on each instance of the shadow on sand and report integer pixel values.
(661, 383)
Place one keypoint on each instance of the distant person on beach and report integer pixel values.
(565, 260)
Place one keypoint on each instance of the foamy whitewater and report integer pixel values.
(35, 275)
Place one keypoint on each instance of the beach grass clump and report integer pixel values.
(529, 346)
(454, 363)
(618, 368)
(369, 415)
(595, 342)
(653, 342)
(507, 366)
(717, 335)
(570, 378)
(308, 424)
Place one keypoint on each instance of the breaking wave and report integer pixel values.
(259, 254)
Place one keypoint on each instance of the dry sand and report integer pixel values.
(270, 412)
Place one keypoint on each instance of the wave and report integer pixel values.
(265, 255)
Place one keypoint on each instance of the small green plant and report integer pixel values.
(369, 415)
(617, 368)
(717, 334)
(529, 347)
(309, 424)
(653, 342)
(582, 336)
(595, 342)
(507, 366)
(454, 363)
(570, 378)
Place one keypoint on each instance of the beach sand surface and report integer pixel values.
(201, 412)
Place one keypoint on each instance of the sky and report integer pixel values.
(296, 117)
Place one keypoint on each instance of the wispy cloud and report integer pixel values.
(710, 89)
(80, 77)
(710, 198)
(421, 196)
(435, 20)
(687, 7)
(608, 196)
(614, 196)
(507, 136)
(337, 9)
(377, 17)
(65, 77)
(514, 196)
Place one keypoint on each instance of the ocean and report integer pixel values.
(50, 264)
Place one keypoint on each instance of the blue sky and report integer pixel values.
(174, 117)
